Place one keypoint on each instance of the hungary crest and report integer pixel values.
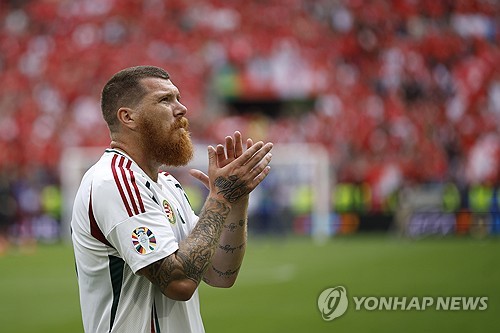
(169, 211)
(144, 240)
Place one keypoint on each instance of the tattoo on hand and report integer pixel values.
(231, 188)
(227, 274)
(228, 248)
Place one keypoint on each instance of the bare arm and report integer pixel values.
(230, 251)
(179, 274)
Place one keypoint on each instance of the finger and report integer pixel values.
(259, 155)
(238, 145)
(247, 155)
(202, 177)
(249, 143)
(260, 177)
(261, 165)
(221, 154)
(212, 157)
(229, 147)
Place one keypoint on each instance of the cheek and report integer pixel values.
(161, 122)
(153, 126)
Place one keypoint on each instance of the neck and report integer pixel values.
(140, 157)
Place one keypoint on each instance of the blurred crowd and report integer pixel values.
(405, 91)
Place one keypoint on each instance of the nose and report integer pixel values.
(180, 110)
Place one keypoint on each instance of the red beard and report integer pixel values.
(172, 147)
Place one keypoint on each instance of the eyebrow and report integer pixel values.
(162, 95)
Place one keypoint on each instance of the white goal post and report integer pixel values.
(292, 165)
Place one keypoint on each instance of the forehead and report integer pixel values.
(156, 86)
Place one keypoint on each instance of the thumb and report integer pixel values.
(200, 176)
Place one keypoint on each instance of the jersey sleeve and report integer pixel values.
(170, 181)
(131, 220)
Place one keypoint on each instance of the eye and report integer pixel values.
(166, 99)
(170, 98)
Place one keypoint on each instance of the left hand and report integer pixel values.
(232, 150)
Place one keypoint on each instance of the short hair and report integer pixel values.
(124, 89)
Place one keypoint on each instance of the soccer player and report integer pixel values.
(140, 250)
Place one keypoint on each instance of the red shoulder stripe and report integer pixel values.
(119, 185)
(127, 186)
(137, 193)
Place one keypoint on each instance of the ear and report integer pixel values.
(126, 117)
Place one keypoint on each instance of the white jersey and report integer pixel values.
(123, 221)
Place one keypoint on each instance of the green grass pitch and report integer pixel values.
(280, 281)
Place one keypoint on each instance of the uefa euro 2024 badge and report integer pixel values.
(144, 240)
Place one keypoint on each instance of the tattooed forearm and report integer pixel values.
(231, 188)
(195, 252)
(227, 274)
(164, 271)
(195, 263)
(228, 248)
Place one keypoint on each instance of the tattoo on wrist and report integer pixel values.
(228, 248)
(232, 188)
(227, 274)
(233, 226)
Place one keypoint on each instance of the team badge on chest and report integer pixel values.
(144, 240)
(169, 211)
